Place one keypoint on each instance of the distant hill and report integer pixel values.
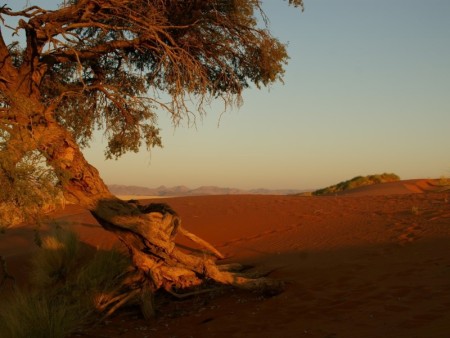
(181, 190)
(356, 182)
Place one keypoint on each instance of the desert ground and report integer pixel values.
(373, 262)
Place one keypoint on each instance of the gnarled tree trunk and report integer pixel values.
(148, 234)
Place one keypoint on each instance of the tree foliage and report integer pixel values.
(114, 64)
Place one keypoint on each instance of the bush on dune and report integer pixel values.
(65, 292)
(356, 182)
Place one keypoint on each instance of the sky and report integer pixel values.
(366, 91)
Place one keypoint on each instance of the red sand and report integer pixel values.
(371, 263)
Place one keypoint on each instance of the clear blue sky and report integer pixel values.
(367, 90)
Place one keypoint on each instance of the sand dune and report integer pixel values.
(370, 263)
(395, 188)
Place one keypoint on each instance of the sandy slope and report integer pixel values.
(374, 263)
(394, 188)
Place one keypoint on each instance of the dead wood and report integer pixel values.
(159, 264)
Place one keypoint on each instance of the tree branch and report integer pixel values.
(5, 60)
(27, 12)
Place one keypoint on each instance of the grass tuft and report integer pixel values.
(57, 258)
(68, 289)
(101, 277)
(39, 314)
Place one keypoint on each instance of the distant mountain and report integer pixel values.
(262, 191)
(182, 190)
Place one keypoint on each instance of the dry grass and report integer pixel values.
(57, 258)
(67, 291)
(39, 314)
(102, 276)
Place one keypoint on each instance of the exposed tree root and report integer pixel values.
(201, 242)
(190, 294)
(149, 232)
(120, 301)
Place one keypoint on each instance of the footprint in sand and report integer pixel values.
(409, 234)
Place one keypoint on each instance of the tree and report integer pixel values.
(108, 64)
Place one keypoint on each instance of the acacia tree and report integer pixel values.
(108, 64)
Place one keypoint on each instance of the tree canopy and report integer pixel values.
(114, 64)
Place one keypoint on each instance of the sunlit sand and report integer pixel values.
(370, 263)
